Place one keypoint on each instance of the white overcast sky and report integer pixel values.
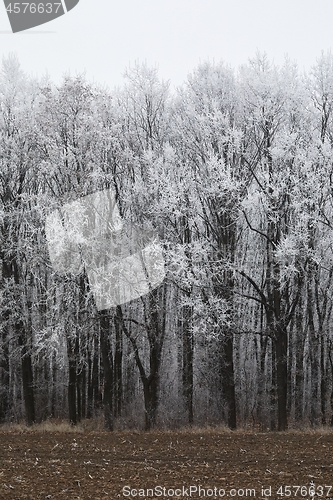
(103, 37)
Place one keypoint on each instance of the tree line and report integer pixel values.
(234, 171)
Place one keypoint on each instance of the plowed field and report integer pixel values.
(98, 465)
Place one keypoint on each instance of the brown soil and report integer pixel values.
(97, 465)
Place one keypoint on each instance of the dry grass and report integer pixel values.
(97, 425)
(55, 425)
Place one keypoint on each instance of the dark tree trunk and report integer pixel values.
(27, 373)
(275, 321)
(151, 390)
(273, 388)
(324, 311)
(156, 332)
(79, 396)
(84, 391)
(228, 379)
(323, 381)
(72, 392)
(224, 287)
(81, 316)
(27, 376)
(53, 388)
(9, 269)
(28, 390)
(330, 358)
(118, 360)
(4, 377)
(314, 347)
(299, 376)
(261, 381)
(289, 375)
(72, 379)
(90, 391)
(97, 396)
(104, 319)
(185, 326)
(6, 273)
(187, 371)
(93, 392)
(282, 378)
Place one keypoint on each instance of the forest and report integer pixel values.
(234, 172)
